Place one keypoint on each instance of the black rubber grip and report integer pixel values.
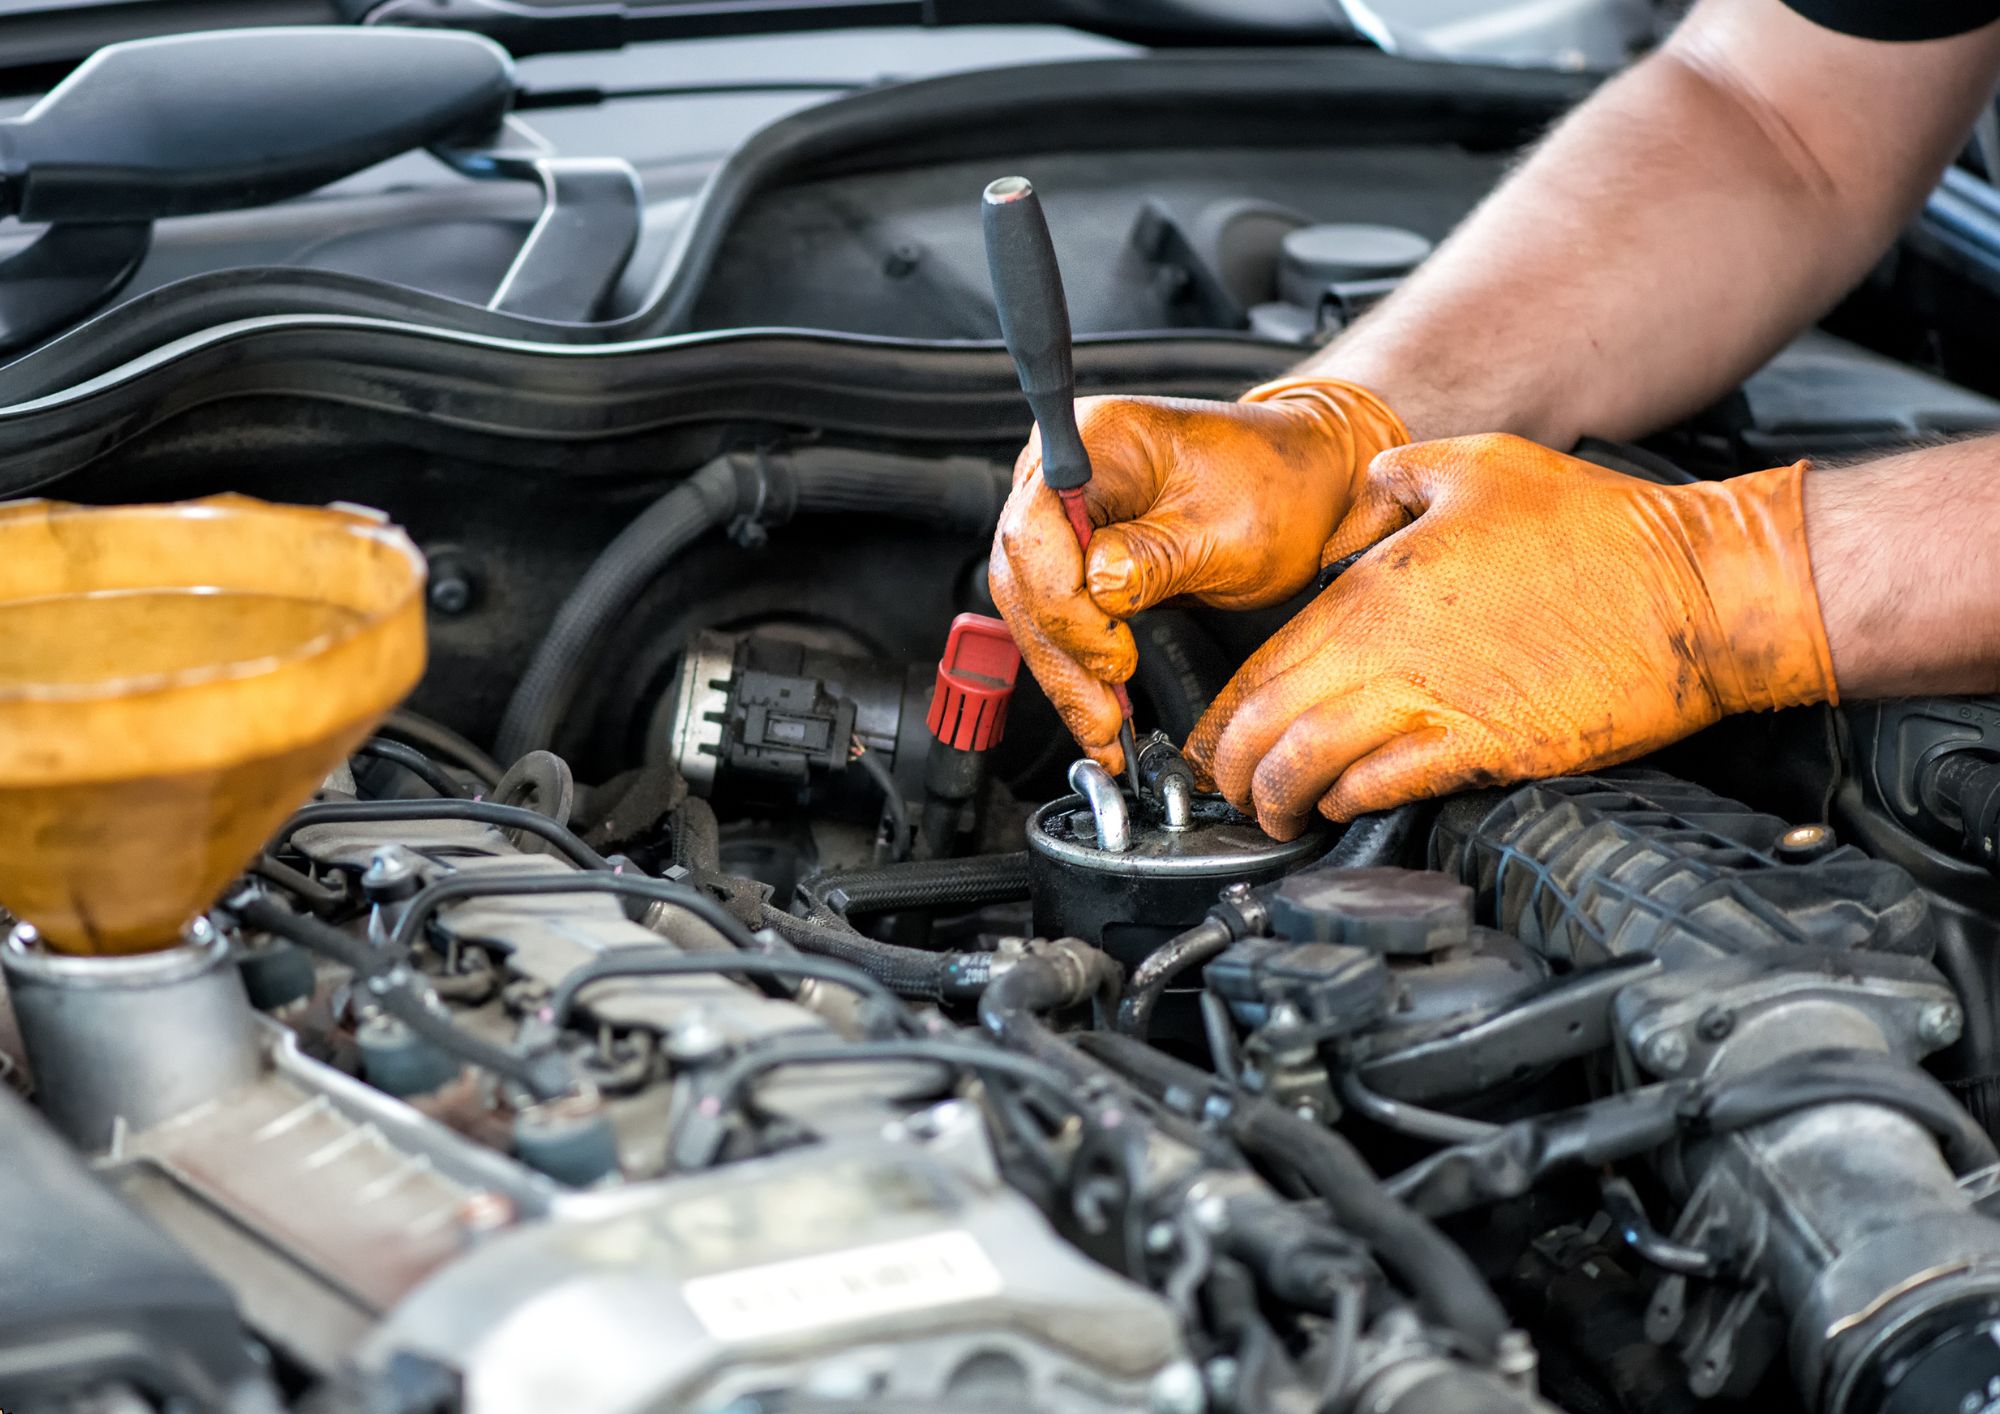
(1034, 320)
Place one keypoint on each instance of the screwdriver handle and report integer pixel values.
(1034, 320)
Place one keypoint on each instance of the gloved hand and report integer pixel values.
(1228, 503)
(1527, 615)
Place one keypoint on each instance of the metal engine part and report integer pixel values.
(759, 719)
(1121, 873)
(356, 1225)
(863, 1270)
(1777, 945)
(118, 1044)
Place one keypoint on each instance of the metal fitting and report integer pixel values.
(1165, 772)
(695, 1040)
(1108, 811)
(1178, 1389)
(393, 874)
(1940, 1023)
(1667, 1052)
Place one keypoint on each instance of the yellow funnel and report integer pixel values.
(174, 680)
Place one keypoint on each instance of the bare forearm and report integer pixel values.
(1670, 235)
(1906, 559)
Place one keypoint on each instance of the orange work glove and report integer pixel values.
(1528, 615)
(1227, 503)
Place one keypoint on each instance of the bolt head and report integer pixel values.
(451, 596)
(1177, 1389)
(1221, 1373)
(387, 866)
(695, 1039)
(1238, 892)
(1940, 1023)
(1715, 1024)
(1514, 1356)
(1803, 843)
(1667, 1052)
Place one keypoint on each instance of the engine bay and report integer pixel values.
(718, 987)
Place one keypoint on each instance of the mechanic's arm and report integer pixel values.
(1664, 241)
(1906, 557)
(1531, 615)
(1674, 231)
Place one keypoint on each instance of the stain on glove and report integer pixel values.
(1224, 503)
(1524, 614)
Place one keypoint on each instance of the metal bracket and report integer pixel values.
(1572, 1018)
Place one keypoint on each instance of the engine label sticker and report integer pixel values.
(836, 1288)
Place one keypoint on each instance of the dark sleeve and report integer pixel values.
(1899, 19)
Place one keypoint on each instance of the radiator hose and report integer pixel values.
(956, 495)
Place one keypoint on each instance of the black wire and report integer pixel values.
(752, 1066)
(725, 1095)
(485, 812)
(1221, 1033)
(425, 903)
(1433, 1268)
(413, 761)
(899, 809)
(1434, 1126)
(440, 740)
(1816, 1078)
(296, 881)
(661, 962)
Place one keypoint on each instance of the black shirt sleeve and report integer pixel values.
(1899, 19)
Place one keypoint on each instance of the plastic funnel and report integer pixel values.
(174, 680)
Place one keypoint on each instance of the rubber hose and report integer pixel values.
(415, 762)
(1182, 669)
(927, 883)
(955, 495)
(706, 501)
(958, 495)
(1442, 1278)
(908, 972)
(1852, 1078)
(1374, 840)
(623, 964)
(1197, 947)
(1432, 1126)
(440, 740)
(1014, 1003)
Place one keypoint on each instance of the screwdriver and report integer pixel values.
(1034, 321)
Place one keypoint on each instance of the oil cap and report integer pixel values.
(975, 681)
(1400, 912)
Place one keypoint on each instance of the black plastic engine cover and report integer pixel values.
(89, 1290)
(1586, 869)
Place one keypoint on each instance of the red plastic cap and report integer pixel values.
(974, 683)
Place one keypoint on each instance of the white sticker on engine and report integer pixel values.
(806, 1293)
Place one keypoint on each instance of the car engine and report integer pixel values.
(719, 988)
